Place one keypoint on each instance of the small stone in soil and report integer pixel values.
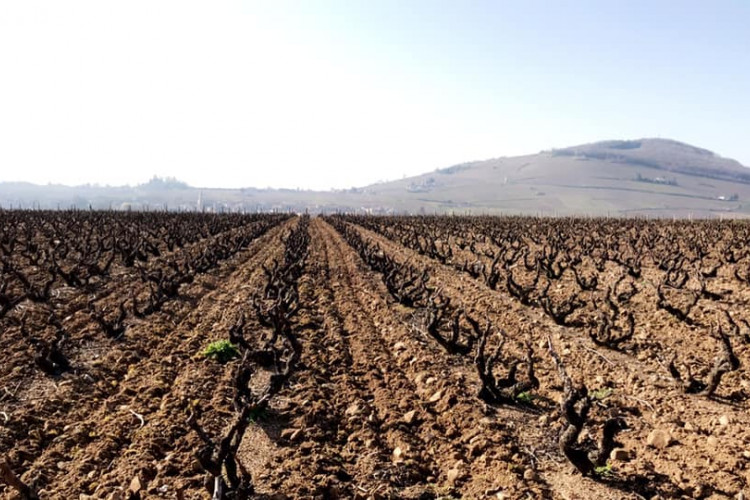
(530, 475)
(435, 397)
(659, 439)
(410, 416)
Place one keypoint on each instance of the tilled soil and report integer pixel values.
(375, 408)
(121, 414)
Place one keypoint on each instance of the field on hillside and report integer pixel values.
(198, 356)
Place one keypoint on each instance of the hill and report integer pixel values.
(649, 176)
(657, 177)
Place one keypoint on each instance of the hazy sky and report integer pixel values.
(324, 94)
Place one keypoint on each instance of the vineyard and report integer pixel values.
(206, 356)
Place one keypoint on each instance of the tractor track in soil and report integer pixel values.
(327, 409)
(377, 374)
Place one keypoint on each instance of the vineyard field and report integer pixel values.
(207, 356)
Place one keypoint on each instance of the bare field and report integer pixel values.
(366, 357)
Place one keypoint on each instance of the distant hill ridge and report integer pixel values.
(644, 177)
(659, 177)
(665, 154)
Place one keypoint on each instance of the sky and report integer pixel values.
(334, 94)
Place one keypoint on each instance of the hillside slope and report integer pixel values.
(649, 176)
(655, 177)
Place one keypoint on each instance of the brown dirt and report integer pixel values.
(376, 408)
(81, 433)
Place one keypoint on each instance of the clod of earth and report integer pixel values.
(659, 439)
(620, 455)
